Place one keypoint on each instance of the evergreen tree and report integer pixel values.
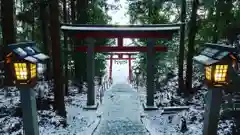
(57, 63)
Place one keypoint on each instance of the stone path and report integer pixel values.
(121, 112)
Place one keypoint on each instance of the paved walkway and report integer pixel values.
(121, 112)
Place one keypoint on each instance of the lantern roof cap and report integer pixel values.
(28, 51)
(221, 47)
(214, 53)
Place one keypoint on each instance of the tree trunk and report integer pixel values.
(8, 25)
(45, 37)
(8, 31)
(181, 48)
(215, 28)
(80, 59)
(33, 26)
(73, 11)
(191, 42)
(56, 58)
(82, 11)
(73, 20)
(66, 49)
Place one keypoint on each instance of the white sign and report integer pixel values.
(120, 62)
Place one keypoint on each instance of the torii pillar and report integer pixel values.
(110, 67)
(130, 68)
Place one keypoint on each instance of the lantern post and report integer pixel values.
(218, 62)
(21, 65)
(28, 105)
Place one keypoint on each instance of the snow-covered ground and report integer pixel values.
(160, 123)
(79, 121)
(83, 122)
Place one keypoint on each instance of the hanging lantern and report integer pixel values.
(218, 63)
(22, 64)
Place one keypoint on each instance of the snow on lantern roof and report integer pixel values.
(20, 52)
(214, 53)
(41, 56)
(221, 47)
(31, 59)
(204, 60)
(27, 51)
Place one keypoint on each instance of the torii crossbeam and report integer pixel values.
(122, 49)
(160, 31)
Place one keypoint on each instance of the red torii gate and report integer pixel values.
(120, 55)
(164, 31)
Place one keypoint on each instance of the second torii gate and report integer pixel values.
(120, 57)
(164, 31)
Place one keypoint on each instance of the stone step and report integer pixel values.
(237, 109)
(236, 97)
(175, 108)
(237, 93)
(236, 105)
(236, 101)
(231, 106)
(169, 112)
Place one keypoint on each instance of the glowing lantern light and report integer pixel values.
(218, 63)
(21, 64)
